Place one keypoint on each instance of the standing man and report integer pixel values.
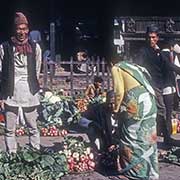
(149, 57)
(20, 62)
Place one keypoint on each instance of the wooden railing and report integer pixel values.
(55, 78)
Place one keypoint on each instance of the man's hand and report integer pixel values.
(111, 148)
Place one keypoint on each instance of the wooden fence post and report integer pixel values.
(108, 81)
(93, 67)
(45, 74)
(71, 74)
(103, 72)
(87, 72)
(52, 55)
(97, 63)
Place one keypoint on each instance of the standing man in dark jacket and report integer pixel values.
(20, 62)
(157, 65)
(149, 57)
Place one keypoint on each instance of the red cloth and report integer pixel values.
(22, 47)
(20, 18)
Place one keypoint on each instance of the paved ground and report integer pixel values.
(167, 171)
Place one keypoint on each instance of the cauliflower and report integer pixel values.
(48, 94)
(53, 99)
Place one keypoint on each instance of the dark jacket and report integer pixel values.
(152, 61)
(101, 116)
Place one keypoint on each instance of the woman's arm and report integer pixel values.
(118, 85)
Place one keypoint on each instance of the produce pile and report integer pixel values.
(44, 131)
(53, 131)
(57, 110)
(82, 103)
(31, 164)
(171, 156)
(79, 155)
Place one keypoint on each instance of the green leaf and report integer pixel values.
(58, 112)
(2, 177)
(47, 161)
(4, 157)
(30, 156)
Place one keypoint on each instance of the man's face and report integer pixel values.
(111, 102)
(153, 38)
(81, 56)
(22, 31)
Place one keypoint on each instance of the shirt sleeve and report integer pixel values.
(38, 59)
(118, 85)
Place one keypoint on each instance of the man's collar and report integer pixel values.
(156, 47)
(166, 50)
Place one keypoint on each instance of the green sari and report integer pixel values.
(138, 147)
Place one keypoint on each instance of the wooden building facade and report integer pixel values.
(129, 33)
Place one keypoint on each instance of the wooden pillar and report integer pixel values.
(103, 72)
(71, 74)
(52, 50)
